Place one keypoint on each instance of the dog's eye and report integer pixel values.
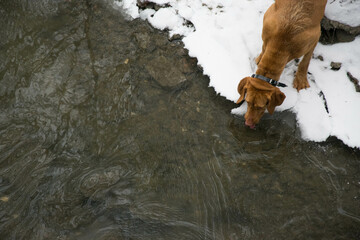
(258, 107)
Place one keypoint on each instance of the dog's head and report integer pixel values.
(259, 96)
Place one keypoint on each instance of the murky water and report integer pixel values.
(109, 131)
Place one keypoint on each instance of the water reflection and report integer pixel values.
(109, 131)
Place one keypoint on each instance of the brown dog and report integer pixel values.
(291, 30)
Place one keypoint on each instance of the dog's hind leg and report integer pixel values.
(300, 81)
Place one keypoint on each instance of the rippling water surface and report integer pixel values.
(109, 131)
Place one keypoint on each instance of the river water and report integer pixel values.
(108, 130)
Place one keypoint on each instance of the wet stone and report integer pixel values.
(143, 39)
(188, 65)
(335, 32)
(355, 81)
(175, 37)
(320, 57)
(335, 66)
(164, 72)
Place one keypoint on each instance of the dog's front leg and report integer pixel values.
(300, 81)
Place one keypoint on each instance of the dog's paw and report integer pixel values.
(300, 84)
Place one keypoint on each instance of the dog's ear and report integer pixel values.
(242, 89)
(276, 98)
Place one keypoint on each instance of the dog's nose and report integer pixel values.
(250, 123)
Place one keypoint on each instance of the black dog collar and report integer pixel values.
(269, 80)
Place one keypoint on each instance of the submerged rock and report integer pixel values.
(165, 72)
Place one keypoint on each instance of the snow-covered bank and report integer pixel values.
(345, 11)
(225, 37)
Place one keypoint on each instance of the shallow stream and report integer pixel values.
(108, 130)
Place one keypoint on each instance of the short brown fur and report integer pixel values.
(291, 30)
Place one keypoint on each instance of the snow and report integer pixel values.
(346, 10)
(130, 7)
(226, 37)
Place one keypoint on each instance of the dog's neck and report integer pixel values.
(272, 64)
